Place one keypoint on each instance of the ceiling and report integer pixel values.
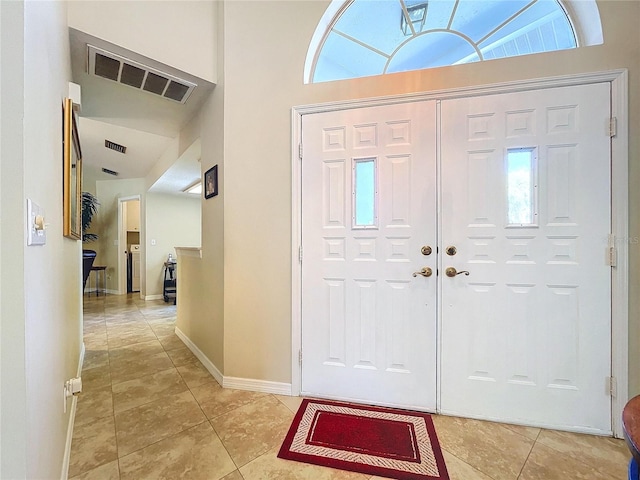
(143, 122)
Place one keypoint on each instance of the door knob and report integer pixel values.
(452, 272)
(451, 250)
(426, 250)
(425, 272)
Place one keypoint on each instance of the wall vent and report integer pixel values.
(110, 172)
(122, 70)
(115, 146)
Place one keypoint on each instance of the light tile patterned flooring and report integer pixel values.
(150, 410)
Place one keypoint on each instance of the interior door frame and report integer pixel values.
(619, 212)
(122, 241)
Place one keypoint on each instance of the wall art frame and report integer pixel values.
(211, 182)
(71, 174)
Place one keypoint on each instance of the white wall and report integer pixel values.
(41, 302)
(13, 393)
(166, 160)
(172, 221)
(180, 34)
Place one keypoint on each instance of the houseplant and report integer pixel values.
(89, 208)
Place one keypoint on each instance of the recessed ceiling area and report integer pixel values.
(185, 171)
(141, 119)
(143, 149)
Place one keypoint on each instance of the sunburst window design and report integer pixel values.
(373, 37)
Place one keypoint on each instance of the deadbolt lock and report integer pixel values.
(451, 250)
(426, 250)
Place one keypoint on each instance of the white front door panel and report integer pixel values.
(526, 336)
(369, 325)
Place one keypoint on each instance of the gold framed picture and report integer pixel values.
(72, 175)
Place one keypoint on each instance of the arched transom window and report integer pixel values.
(373, 37)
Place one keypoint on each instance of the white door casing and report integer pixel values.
(526, 337)
(369, 330)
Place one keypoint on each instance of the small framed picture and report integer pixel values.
(211, 182)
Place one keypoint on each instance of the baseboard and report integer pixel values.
(72, 418)
(153, 297)
(264, 386)
(237, 383)
(91, 292)
(208, 364)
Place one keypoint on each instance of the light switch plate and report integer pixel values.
(35, 236)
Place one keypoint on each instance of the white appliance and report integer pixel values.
(135, 268)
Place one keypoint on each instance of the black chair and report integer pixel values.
(88, 257)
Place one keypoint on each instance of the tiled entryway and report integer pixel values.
(150, 410)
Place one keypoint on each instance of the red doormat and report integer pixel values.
(377, 441)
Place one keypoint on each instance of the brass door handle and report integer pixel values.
(425, 272)
(452, 272)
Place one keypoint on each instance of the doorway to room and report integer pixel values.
(129, 245)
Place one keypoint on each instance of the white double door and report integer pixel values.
(512, 188)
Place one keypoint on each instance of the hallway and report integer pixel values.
(150, 410)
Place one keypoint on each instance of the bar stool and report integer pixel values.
(100, 269)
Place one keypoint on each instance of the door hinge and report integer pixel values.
(613, 126)
(611, 386)
(611, 253)
(300, 357)
(300, 254)
(300, 151)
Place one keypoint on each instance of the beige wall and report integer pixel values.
(264, 54)
(41, 314)
(172, 221)
(177, 33)
(201, 300)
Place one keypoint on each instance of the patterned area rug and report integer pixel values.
(377, 441)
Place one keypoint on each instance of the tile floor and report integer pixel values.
(150, 410)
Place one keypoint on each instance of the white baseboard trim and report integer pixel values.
(91, 292)
(208, 364)
(153, 297)
(263, 386)
(72, 418)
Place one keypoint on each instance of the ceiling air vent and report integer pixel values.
(110, 172)
(122, 70)
(115, 146)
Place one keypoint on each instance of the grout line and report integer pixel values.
(467, 463)
(524, 464)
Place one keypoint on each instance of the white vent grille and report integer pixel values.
(122, 70)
